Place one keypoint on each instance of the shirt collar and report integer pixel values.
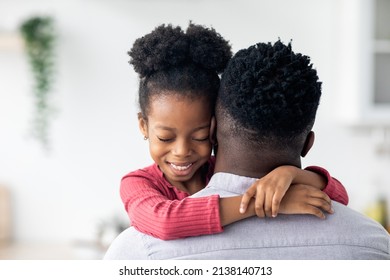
(230, 182)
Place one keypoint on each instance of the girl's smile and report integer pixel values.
(181, 169)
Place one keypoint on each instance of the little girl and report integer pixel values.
(178, 86)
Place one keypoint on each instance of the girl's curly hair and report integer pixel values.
(170, 59)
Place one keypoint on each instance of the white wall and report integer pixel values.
(64, 194)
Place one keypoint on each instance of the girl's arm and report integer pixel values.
(159, 213)
(270, 189)
(162, 215)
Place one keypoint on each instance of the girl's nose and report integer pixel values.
(182, 148)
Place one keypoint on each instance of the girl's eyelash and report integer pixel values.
(170, 139)
(163, 139)
(202, 139)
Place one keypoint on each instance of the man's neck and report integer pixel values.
(251, 162)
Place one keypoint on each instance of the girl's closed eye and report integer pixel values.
(165, 139)
(201, 139)
(201, 134)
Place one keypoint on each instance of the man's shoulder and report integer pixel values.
(128, 245)
(350, 217)
(357, 223)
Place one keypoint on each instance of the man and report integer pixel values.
(265, 112)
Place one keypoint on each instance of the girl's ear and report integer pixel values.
(143, 125)
(308, 144)
(213, 134)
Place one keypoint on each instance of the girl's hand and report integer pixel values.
(304, 199)
(269, 191)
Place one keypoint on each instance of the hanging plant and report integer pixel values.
(39, 37)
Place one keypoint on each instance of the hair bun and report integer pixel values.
(168, 46)
(207, 48)
(164, 47)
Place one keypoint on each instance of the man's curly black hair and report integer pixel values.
(270, 92)
(187, 63)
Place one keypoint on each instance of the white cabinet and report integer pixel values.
(364, 77)
(381, 52)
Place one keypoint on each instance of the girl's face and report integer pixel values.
(178, 129)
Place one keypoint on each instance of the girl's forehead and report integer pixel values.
(173, 104)
(178, 100)
(175, 111)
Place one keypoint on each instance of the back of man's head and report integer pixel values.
(269, 96)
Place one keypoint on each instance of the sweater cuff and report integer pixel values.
(215, 222)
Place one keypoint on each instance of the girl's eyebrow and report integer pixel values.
(164, 127)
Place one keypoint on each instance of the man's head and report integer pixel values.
(268, 98)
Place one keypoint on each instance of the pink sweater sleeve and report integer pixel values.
(334, 189)
(155, 213)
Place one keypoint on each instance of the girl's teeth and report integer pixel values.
(181, 167)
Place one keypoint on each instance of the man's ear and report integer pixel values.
(308, 143)
(143, 125)
(213, 134)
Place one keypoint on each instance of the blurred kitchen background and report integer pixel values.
(59, 176)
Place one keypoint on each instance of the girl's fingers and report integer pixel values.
(259, 204)
(321, 195)
(320, 200)
(246, 198)
(323, 204)
(316, 212)
(268, 203)
(276, 204)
